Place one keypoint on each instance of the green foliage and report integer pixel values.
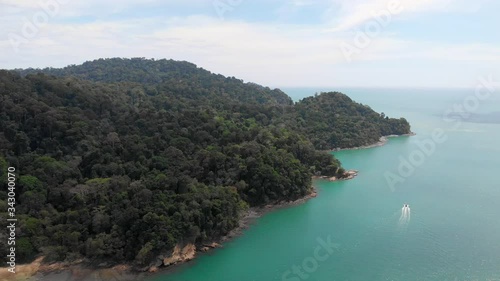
(98, 181)
(3, 169)
(180, 78)
(122, 159)
(145, 253)
(30, 183)
(24, 249)
(333, 120)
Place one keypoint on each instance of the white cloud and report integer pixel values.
(389, 48)
(301, 3)
(79, 8)
(346, 15)
(19, 4)
(267, 53)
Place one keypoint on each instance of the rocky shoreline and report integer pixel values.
(382, 141)
(189, 251)
(62, 271)
(348, 175)
(254, 213)
(80, 270)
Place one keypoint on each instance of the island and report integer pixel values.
(139, 164)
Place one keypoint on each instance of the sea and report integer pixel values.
(448, 175)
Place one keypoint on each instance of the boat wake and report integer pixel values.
(405, 217)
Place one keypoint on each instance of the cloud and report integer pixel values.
(301, 3)
(229, 47)
(346, 15)
(270, 53)
(390, 49)
(95, 8)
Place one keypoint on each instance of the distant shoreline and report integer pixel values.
(382, 141)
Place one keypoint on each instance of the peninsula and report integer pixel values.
(144, 162)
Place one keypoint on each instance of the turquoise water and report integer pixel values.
(452, 231)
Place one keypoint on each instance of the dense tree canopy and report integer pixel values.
(333, 120)
(121, 159)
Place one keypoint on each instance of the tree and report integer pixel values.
(124, 158)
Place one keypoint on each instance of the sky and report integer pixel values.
(276, 43)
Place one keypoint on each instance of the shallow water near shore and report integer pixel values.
(453, 231)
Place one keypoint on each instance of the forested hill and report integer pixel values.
(121, 167)
(169, 76)
(333, 120)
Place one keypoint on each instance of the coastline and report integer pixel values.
(253, 213)
(79, 270)
(382, 141)
(246, 220)
(62, 271)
